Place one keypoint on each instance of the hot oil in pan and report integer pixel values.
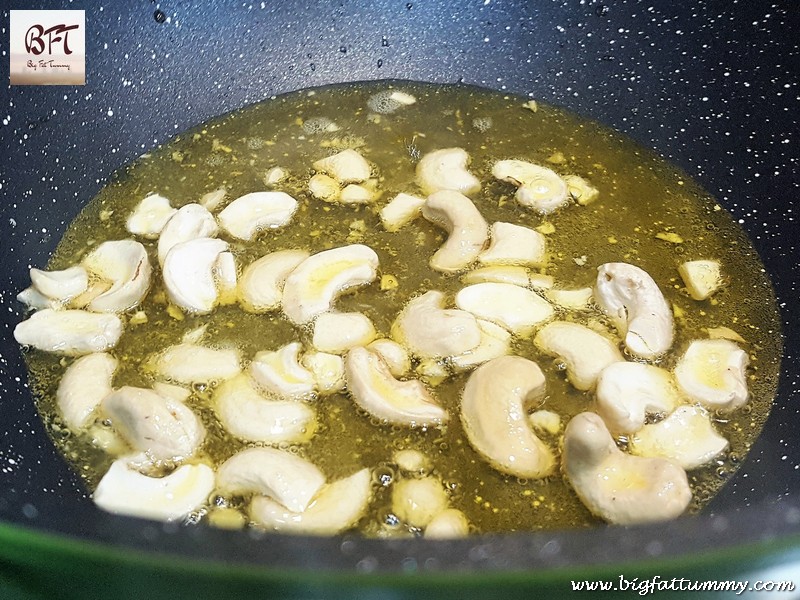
(648, 213)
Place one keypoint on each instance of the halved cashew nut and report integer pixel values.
(581, 190)
(714, 373)
(336, 333)
(429, 330)
(629, 391)
(449, 524)
(584, 351)
(164, 429)
(356, 194)
(412, 461)
(615, 486)
(348, 166)
(324, 188)
(327, 369)
(545, 421)
(249, 214)
(418, 501)
(517, 309)
(313, 286)
(192, 363)
(514, 275)
(261, 283)
(446, 169)
(189, 274)
(538, 187)
(290, 480)
(60, 286)
(211, 200)
(701, 277)
(123, 490)
(577, 299)
(494, 414)
(190, 222)
(124, 264)
(375, 390)
(83, 386)
(686, 437)
(466, 228)
(337, 507)
(512, 244)
(150, 216)
(403, 209)
(249, 416)
(280, 373)
(633, 301)
(70, 332)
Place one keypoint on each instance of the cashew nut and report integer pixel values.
(581, 190)
(714, 373)
(60, 286)
(261, 283)
(123, 490)
(403, 209)
(348, 166)
(83, 386)
(280, 373)
(191, 363)
(449, 524)
(327, 369)
(615, 486)
(517, 309)
(635, 304)
(190, 222)
(429, 330)
(211, 200)
(249, 214)
(279, 474)
(584, 351)
(313, 286)
(701, 277)
(150, 216)
(70, 332)
(514, 245)
(249, 416)
(189, 274)
(375, 390)
(629, 391)
(124, 264)
(467, 230)
(494, 415)
(393, 354)
(577, 299)
(538, 187)
(686, 437)
(336, 507)
(164, 429)
(336, 333)
(495, 342)
(514, 275)
(417, 502)
(446, 169)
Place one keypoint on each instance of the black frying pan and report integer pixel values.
(712, 87)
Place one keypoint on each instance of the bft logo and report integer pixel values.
(48, 47)
(35, 41)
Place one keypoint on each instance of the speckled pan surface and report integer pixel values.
(712, 86)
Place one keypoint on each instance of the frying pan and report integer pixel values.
(712, 87)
